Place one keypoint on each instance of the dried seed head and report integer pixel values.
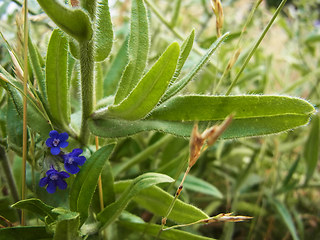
(75, 3)
(234, 59)
(226, 217)
(17, 67)
(219, 130)
(218, 11)
(196, 143)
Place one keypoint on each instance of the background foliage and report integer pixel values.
(274, 179)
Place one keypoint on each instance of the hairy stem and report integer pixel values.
(87, 82)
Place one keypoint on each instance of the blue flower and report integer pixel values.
(72, 160)
(54, 179)
(57, 141)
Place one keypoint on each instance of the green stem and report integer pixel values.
(87, 82)
(8, 173)
(177, 194)
(256, 45)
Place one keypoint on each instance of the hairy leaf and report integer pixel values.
(255, 116)
(156, 200)
(138, 50)
(74, 22)
(57, 80)
(84, 185)
(104, 32)
(113, 211)
(149, 90)
(153, 229)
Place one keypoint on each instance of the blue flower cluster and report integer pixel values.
(72, 160)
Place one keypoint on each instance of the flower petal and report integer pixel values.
(62, 184)
(63, 136)
(80, 160)
(71, 168)
(51, 187)
(63, 174)
(54, 134)
(76, 151)
(49, 142)
(55, 150)
(63, 144)
(43, 181)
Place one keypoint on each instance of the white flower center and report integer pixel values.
(54, 177)
(56, 142)
(70, 160)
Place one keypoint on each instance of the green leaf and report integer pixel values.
(311, 149)
(14, 125)
(112, 212)
(149, 90)
(255, 116)
(286, 217)
(104, 32)
(36, 206)
(115, 70)
(74, 48)
(74, 22)
(36, 67)
(67, 226)
(177, 86)
(138, 50)
(184, 53)
(156, 200)
(24, 233)
(198, 185)
(153, 230)
(57, 79)
(35, 119)
(204, 108)
(98, 82)
(84, 185)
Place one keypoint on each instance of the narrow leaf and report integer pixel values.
(153, 230)
(67, 227)
(84, 185)
(138, 50)
(149, 90)
(286, 217)
(98, 82)
(57, 79)
(14, 124)
(35, 119)
(36, 67)
(184, 53)
(104, 32)
(36, 206)
(156, 200)
(24, 233)
(311, 150)
(176, 87)
(198, 185)
(255, 116)
(112, 212)
(74, 22)
(203, 108)
(114, 74)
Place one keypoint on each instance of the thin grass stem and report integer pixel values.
(25, 90)
(256, 45)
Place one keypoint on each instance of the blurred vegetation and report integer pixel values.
(276, 178)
